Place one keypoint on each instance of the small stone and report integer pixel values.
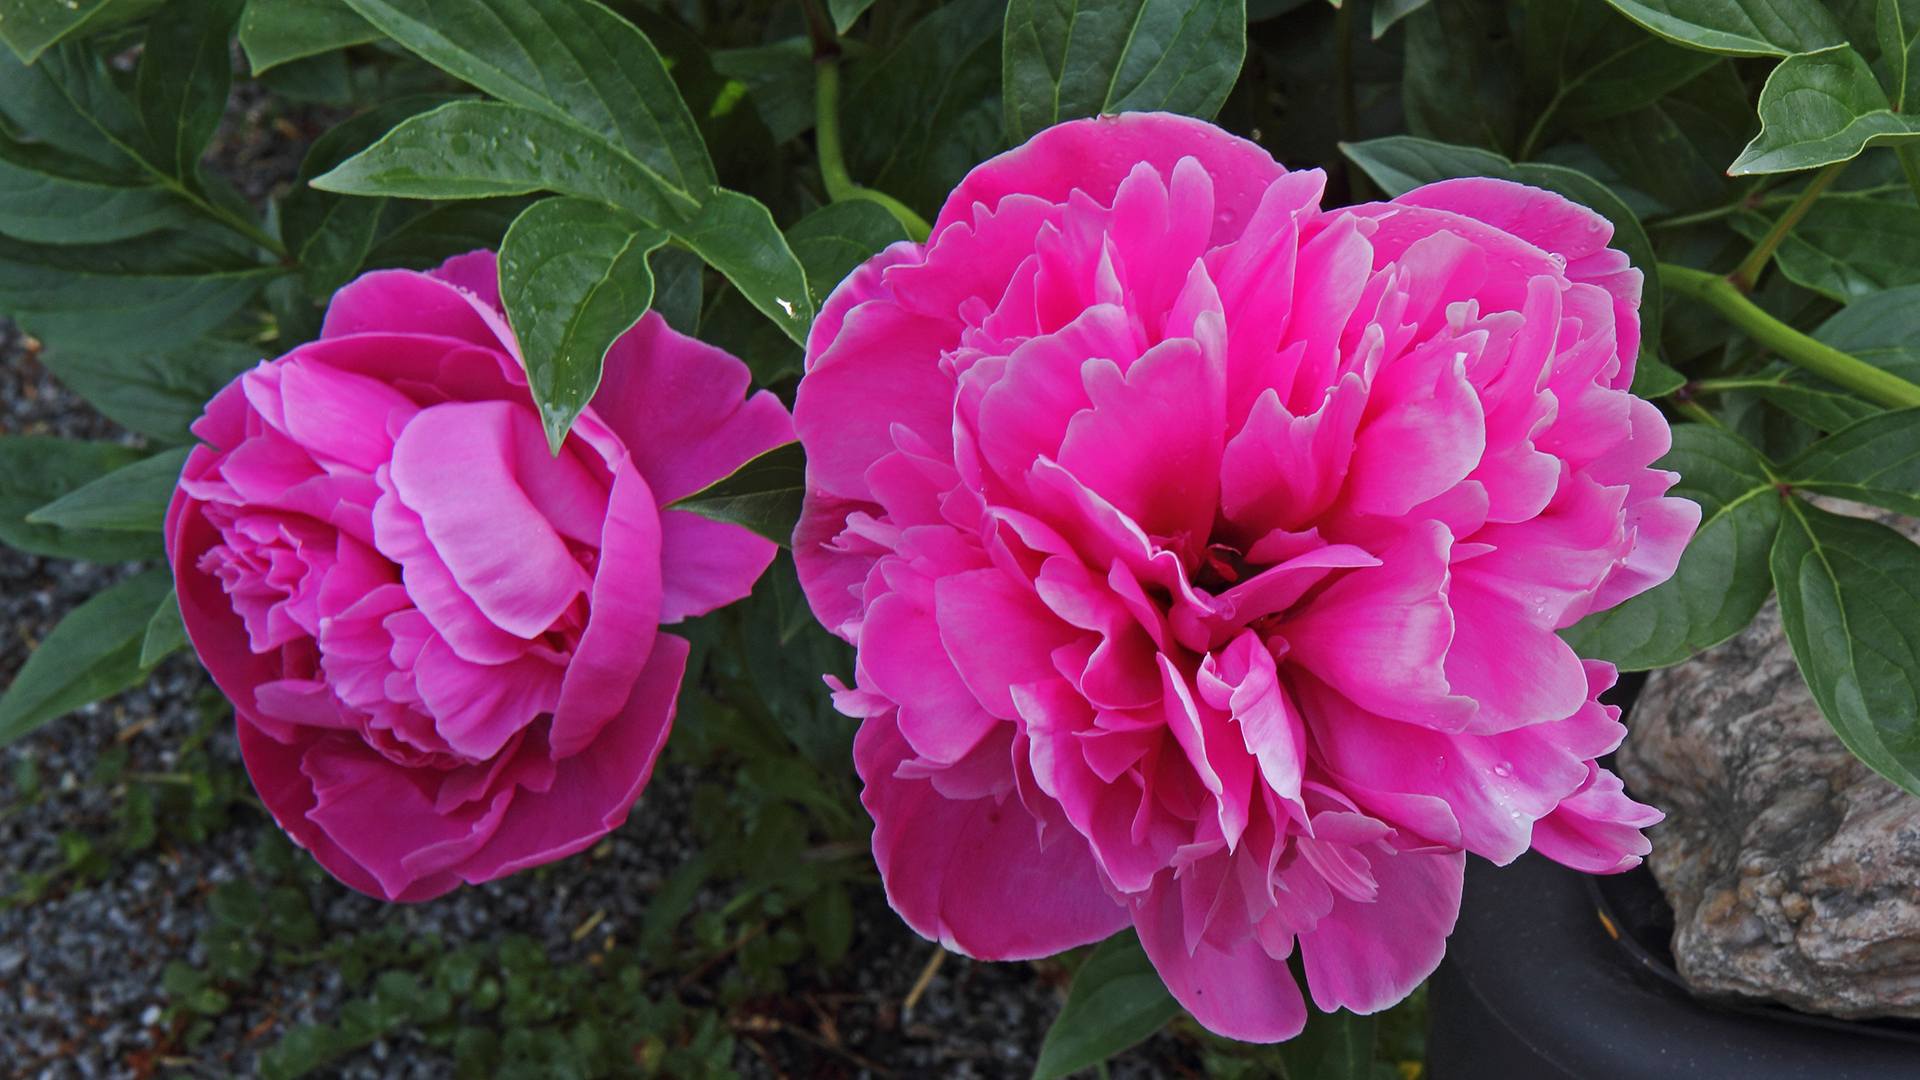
(11, 958)
(1793, 868)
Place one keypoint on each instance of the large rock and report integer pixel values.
(1793, 869)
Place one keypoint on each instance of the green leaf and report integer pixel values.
(1334, 1046)
(762, 495)
(1850, 604)
(1401, 163)
(1677, 149)
(93, 652)
(35, 470)
(30, 26)
(1897, 32)
(1825, 411)
(425, 242)
(678, 288)
(1882, 329)
(237, 904)
(69, 99)
(1874, 461)
(159, 290)
(844, 13)
(1117, 1000)
(50, 196)
(186, 70)
(834, 240)
(931, 109)
(573, 277)
(1738, 27)
(154, 393)
(132, 498)
(1462, 78)
(779, 79)
(571, 60)
(1721, 581)
(1388, 12)
(1846, 249)
(1067, 59)
(736, 235)
(1819, 108)
(275, 31)
(166, 632)
(1652, 379)
(829, 919)
(1589, 63)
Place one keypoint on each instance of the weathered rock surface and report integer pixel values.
(1793, 869)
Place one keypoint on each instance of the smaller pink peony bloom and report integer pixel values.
(1204, 553)
(441, 640)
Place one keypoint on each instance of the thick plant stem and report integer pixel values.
(1747, 273)
(833, 166)
(1877, 386)
(1909, 155)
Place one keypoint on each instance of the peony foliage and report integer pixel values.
(1238, 442)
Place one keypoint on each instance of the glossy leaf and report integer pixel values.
(185, 73)
(1117, 1000)
(573, 277)
(845, 12)
(130, 499)
(1652, 379)
(834, 240)
(1722, 578)
(273, 32)
(53, 197)
(1874, 461)
(1820, 108)
(29, 27)
(35, 470)
(425, 242)
(69, 99)
(1067, 59)
(1401, 163)
(1462, 77)
(1825, 411)
(779, 79)
(677, 287)
(1738, 27)
(1847, 249)
(572, 61)
(93, 652)
(1388, 12)
(158, 291)
(154, 393)
(1677, 149)
(763, 495)
(1589, 63)
(1850, 604)
(736, 235)
(166, 632)
(1882, 329)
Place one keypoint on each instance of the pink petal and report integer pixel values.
(402, 301)
(883, 369)
(1596, 830)
(1367, 956)
(1243, 994)
(998, 633)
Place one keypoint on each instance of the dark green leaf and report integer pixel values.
(571, 60)
(1875, 461)
(95, 651)
(1847, 249)
(50, 196)
(1738, 27)
(35, 470)
(677, 287)
(1652, 379)
(425, 242)
(1897, 33)
(829, 918)
(1819, 108)
(1721, 581)
(1462, 77)
(159, 290)
(779, 78)
(185, 72)
(236, 903)
(763, 495)
(1882, 329)
(1388, 12)
(834, 240)
(736, 235)
(154, 393)
(275, 31)
(132, 498)
(786, 653)
(69, 99)
(30, 26)
(844, 13)
(166, 632)
(1850, 604)
(1401, 163)
(1677, 149)
(1334, 1046)
(1589, 63)
(931, 109)
(1825, 411)
(1067, 59)
(1117, 1000)
(573, 277)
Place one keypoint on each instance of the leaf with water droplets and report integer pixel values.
(763, 495)
(736, 235)
(573, 277)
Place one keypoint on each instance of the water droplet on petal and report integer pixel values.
(1503, 769)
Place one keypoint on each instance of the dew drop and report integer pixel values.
(1503, 769)
(1559, 261)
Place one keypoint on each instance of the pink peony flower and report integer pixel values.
(1204, 553)
(440, 639)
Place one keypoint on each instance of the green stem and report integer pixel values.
(1720, 386)
(1909, 155)
(1748, 272)
(1695, 412)
(833, 167)
(1877, 386)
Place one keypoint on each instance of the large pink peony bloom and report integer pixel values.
(1204, 553)
(441, 639)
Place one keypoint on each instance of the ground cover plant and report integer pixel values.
(1427, 363)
